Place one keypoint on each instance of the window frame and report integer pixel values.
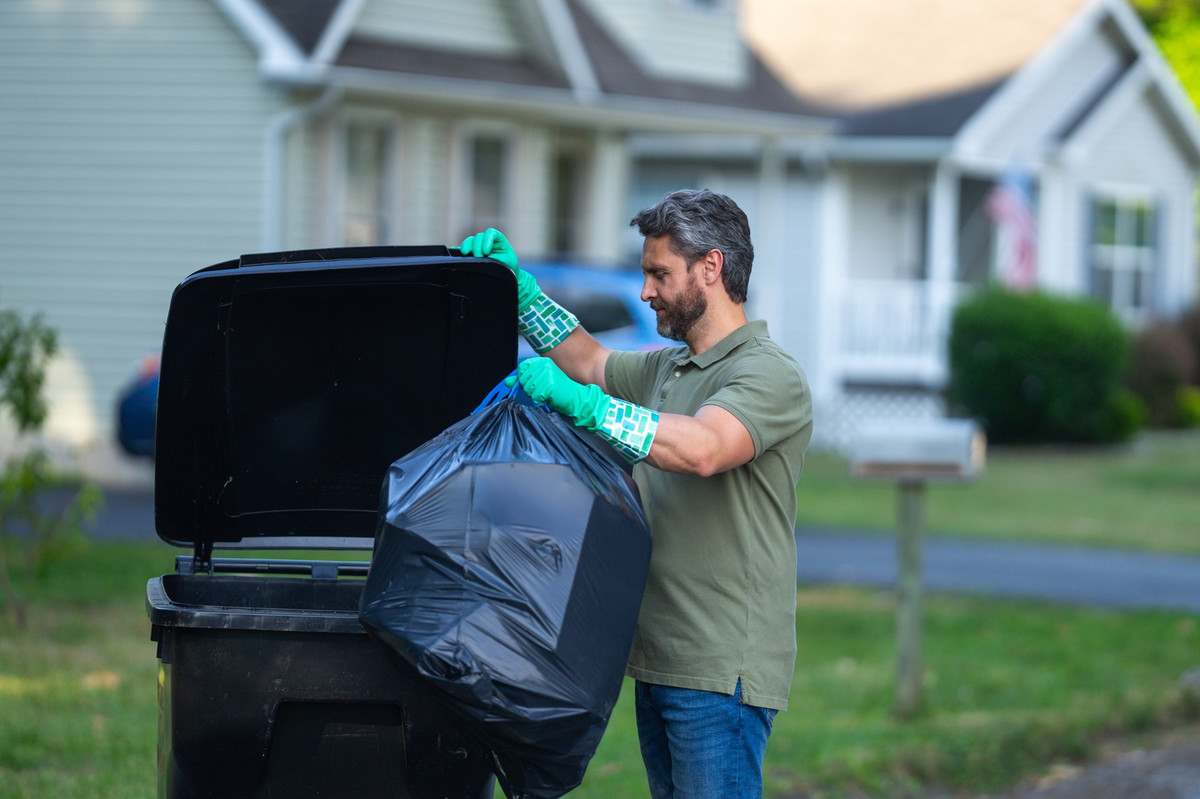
(387, 125)
(1123, 273)
(464, 219)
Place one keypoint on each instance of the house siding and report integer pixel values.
(672, 40)
(479, 27)
(1042, 119)
(1139, 152)
(132, 156)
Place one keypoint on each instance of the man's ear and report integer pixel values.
(713, 262)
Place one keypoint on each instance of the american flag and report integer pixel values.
(1010, 206)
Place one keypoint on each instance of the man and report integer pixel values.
(718, 429)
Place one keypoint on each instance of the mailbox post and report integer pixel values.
(911, 453)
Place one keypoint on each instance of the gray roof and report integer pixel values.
(617, 73)
(940, 116)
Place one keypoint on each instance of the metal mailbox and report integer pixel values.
(916, 450)
(912, 453)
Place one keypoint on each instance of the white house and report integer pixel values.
(938, 100)
(143, 139)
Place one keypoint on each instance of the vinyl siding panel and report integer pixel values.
(672, 40)
(130, 155)
(1140, 152)
(1042, 118)
(484, 27)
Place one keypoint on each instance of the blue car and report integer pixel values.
(137, 409)
(607, 301)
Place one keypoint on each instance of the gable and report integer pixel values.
(1060, 92)
(482, 27)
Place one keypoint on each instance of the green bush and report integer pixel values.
(1188, 407)
(1163, 362)
(1033, 368)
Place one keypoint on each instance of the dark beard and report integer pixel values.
(681, 316)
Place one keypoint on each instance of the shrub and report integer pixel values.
(26, 347)
(1038, 368)
(1162, 364)
(1188, 407)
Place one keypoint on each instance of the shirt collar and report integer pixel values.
(741, 335)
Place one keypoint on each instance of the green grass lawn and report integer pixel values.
(1143, 495)
(1011, 687)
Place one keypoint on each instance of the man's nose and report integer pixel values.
(647, 292)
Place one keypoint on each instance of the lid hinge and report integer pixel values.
(201, 562)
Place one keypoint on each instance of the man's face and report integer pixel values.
(672, 289)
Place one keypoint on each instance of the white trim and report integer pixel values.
(1017, 91)
(276, 50)
(570, 51)
(833, 267)
(1115, 107)
(889, 148)
(333, 38)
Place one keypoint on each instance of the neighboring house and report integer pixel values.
(939, 99)
(143, 139)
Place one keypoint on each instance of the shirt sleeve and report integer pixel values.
(769, 395)
(630, 375)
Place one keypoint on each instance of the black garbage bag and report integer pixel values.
(510, 559)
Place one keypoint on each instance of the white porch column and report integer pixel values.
(767, 286)
(943, 255)
(606, 208)
(833, 269)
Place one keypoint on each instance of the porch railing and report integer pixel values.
(895, 331)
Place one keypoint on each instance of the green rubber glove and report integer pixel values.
(545, 383)
(627, 427)
(544, 323)
(491, 243)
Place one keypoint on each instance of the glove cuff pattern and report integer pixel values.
(629, 428)
(545, 323)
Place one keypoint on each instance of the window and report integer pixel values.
(366, 153)
(566, 202)
(489, 180)
(1123, 242)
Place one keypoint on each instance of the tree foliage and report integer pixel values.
(1175, 26)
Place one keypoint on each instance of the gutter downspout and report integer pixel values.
(274, 153)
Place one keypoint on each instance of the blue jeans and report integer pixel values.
(700, 744)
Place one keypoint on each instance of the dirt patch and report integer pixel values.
(1163, 766)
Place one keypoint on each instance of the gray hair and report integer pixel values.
(698, 220)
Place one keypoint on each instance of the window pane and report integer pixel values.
(488, 156)
(1104, 230)
(1123, 254)
(366, 152)
(1143, 225)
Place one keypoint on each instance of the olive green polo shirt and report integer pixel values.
(720, 599)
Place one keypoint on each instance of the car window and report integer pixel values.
(597, 312)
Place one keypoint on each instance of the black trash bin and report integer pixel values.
(289, 383)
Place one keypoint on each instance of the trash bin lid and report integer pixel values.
(291, 381)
